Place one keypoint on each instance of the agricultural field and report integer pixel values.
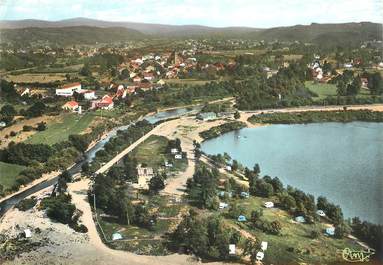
(233, 53)
(292, 57)
(70, 123)
(188, 82)
(42, 78)
(9, 173)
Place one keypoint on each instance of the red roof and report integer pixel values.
(148, 75)
(85, 91)
(106, 100)
(71, 104)
(71, 85)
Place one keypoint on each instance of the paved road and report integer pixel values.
(127, 150)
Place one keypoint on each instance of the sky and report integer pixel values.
(218, 13)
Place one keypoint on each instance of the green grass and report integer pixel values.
(323, 90)
(8, 174)
(189, 81)
(142, 240)
(326, 90)
(58, 132)
(153, 153)
(313, 251)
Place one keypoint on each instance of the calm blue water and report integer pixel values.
(343, 162)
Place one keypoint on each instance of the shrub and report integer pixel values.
(314, 234)
(26, 204)
(42, 126)
(12, 133)
(80, 228)
(27, 128)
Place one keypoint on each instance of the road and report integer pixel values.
(127, 150)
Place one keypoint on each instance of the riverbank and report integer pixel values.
(318, 116)
(221, 129)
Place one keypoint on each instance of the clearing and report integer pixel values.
(326, 90)
(153, 153)
(9, 173)
(56, 132)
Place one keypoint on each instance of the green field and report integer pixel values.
(326, 90)
(57, 132)
(153, 153)
(189, 81)
(323, 90)
(8, 174)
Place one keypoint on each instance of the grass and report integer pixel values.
(323, 90)
(57, 132)
(192, 82)
(8, 174)
(294, 243)
(326, 90)
(141, 240)
(153, 153)
(36, 78)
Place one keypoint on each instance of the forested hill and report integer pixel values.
(88, 31)
(69, 35)
(346, 33)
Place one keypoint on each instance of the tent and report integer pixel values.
(241, 218)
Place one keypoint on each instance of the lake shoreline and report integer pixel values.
(318, 161)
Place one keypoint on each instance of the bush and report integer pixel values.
(80, 228)
(26, 204)
(12, 133)
(42, 126)
(27, 128)
(274, 227)
(59, 208)
(314, 234)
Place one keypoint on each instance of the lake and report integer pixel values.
(342, 161)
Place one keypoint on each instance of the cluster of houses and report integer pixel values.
(153, 68)
(69, 91)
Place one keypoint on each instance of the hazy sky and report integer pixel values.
(253, 13)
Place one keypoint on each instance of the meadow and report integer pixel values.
(69, 124)
(9, 173)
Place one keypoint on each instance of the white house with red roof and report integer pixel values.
(105, 103)
(68, 90)
(70, 105)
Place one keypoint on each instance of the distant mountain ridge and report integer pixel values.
(146, 28)
(87, 31)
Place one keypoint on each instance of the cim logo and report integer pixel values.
(351, 255)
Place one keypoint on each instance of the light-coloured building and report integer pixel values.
(68, 90)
